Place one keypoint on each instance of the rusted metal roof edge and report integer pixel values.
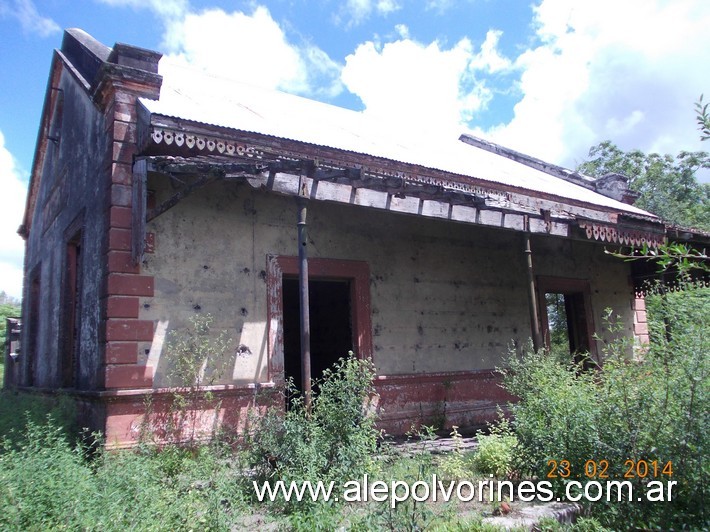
(357, 159)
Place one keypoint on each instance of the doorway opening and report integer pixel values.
(330, 306)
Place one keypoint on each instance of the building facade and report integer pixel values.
(158, 197)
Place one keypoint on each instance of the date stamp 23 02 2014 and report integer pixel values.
(599, 469)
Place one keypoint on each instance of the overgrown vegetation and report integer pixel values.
(48, 483)
(335, 441)
(572, 424)
(198, 360)
(651, 411)
(496, 450)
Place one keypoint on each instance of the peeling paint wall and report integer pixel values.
(71, 187)
(445, 297)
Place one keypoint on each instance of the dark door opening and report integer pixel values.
(331, 326)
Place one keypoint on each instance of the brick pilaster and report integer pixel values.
(128, 74)
(638, 306)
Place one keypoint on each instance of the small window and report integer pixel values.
(566, 317)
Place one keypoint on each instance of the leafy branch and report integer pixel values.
(672, 256)
(703, 118)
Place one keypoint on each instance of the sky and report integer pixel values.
(549, 78)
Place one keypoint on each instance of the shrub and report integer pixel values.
(46, 483)
(196, 359)
(496, 451)
(656, 409)
(17, 409)
(335, 441)
(456, 464)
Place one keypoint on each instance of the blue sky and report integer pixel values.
(546, 77)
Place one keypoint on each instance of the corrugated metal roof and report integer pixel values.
(193, 95)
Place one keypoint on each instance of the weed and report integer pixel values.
(336, 441)
(654, 409)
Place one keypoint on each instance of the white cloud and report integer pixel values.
(439, 5)
(355, 12)
(13, 191)
(248, 47)
(167, 9)
(25, 12)
(489, 59)
(424, 86)
(627, 71)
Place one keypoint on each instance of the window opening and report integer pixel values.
(566, 318)
(567, 331)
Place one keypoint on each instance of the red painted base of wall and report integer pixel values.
(159, 416)
(466, 399)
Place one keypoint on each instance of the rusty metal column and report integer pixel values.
(532, 292)
(302, 203)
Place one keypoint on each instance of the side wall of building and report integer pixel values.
(69, 209)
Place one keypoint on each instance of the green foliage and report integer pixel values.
(583, 524)
(667, 185)
(318, 518)
(18, 409)
(196, 357)
(335, 441)
(410, 515)
(558, 414)
(496, 451)
(703, 118)
(655, 409)
(46, 483)
(456, 464)
(197, 360)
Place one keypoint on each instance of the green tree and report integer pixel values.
(667, 185)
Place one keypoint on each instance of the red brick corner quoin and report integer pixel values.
(124, 283)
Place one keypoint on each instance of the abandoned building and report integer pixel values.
(155, 198)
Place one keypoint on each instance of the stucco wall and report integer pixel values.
(445, 297)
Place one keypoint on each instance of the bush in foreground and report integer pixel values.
(635, 416)
(335, 441)
(48, 483)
